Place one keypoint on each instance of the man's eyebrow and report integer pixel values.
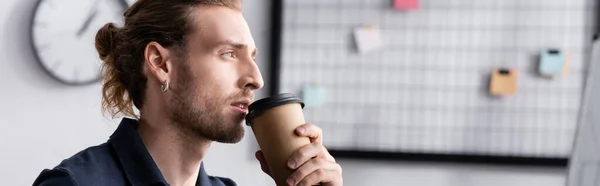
(233, 44)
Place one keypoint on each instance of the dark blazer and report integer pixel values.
(122, 160)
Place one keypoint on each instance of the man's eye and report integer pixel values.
(228, 54)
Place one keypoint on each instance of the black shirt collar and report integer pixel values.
(137, 164)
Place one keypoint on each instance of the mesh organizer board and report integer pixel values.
(424, 94)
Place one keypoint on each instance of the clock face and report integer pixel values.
(63, 35)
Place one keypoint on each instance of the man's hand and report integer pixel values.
(312, 163)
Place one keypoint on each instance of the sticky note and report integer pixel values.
(314, 96)
(367, 39)
(567, 65)
(553, 62)
(406, 4)
(503, 82)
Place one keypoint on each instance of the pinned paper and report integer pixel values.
(503, 82)
(313, 96)
(367, 38)
(567, 65)
(406, 4)
(553, 62)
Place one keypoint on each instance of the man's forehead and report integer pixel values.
(221, 25)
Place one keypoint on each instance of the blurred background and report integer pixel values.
(408, 92)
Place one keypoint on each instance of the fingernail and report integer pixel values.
(290, 181)
(302, 130)
(292, 164)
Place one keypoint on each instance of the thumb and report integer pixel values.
(263, 163)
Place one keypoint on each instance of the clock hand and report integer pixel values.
(86, 24)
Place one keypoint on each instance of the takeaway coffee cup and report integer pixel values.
(273, 121)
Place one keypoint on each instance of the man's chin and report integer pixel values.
(233, 136)
(232, 140)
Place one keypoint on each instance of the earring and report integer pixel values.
(165, 87)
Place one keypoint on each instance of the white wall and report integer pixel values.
(43, 122)
(358, 173)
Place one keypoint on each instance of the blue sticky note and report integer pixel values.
(313, 96)
(552, 62)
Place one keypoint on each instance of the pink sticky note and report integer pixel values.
(406, 4)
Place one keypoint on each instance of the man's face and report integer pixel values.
(215, 78)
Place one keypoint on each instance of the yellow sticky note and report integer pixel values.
(503, 82)
(567, 65)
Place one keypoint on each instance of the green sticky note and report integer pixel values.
(314, 96)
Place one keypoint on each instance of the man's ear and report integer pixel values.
(157, 60)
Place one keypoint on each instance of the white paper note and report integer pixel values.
(367, 39)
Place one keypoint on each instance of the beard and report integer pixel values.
(200, 114)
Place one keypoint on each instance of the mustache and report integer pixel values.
(247, 94)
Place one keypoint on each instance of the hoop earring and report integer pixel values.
(164, 87)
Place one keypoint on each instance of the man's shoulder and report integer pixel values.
(55, 177)
(93, 165)
(89, 157)
(216, 180)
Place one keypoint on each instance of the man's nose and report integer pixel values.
(252, 78)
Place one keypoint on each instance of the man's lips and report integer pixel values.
(241, 105)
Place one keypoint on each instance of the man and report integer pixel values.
(188, 67)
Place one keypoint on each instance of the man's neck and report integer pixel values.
(177, 155)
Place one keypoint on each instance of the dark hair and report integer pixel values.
(121, 49)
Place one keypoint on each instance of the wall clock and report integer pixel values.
(63, 35)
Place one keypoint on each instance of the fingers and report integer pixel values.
(328, 156)
(306, 153)
(321, 177)
(311, 131)
(263, 162)
(312, 163)
(316, 171)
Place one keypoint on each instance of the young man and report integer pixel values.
(188, 66)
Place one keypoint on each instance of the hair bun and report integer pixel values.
(107, 40)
